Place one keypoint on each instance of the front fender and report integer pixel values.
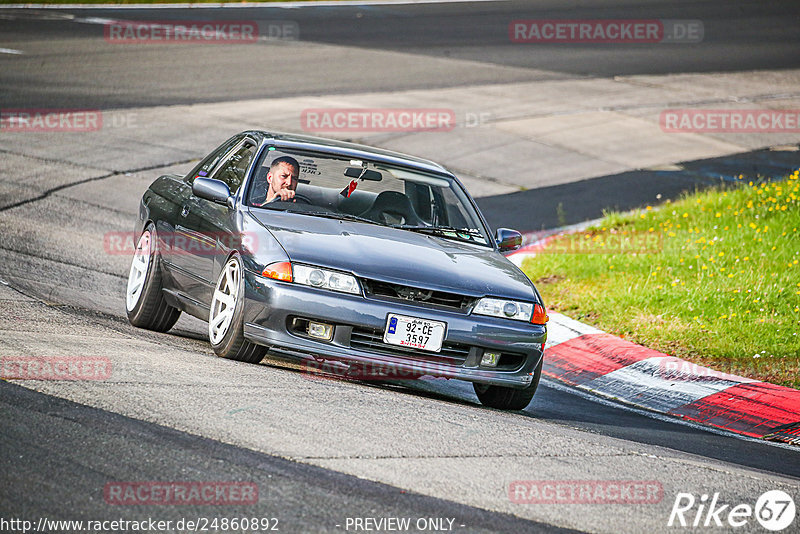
(143, 217)
(256, 245)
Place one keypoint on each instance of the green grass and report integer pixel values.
(713, 278)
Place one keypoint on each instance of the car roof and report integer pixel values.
(335, 147)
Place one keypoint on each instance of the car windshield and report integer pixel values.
(372, 193)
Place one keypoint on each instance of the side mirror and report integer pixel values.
(508, 240)
(214, 190)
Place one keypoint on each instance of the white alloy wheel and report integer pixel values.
(223, 304)
(138, 274)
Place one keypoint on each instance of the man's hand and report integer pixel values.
(284, 194)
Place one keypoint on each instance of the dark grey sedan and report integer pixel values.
(354, 258)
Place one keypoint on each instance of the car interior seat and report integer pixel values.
(392, 207)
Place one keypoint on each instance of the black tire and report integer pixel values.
(506, 398)
(233, 344)
(149, 309)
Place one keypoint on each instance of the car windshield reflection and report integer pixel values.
(365, 192)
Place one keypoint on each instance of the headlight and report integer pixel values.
(325, 279)
(507, 309)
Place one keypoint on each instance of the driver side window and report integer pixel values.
(207, 166)
(234, 169)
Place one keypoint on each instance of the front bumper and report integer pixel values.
(272, 309)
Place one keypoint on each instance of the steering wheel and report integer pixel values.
(302, 199)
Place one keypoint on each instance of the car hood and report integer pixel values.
(397, 256)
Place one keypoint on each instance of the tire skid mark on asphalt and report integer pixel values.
(98, 206)
(46, 193)
(92, 268)
(50, 160)
(118, 324)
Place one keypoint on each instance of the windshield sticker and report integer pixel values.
(309, 168)
(347, 191)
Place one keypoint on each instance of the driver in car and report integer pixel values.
(282, 179)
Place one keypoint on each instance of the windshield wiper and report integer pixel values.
(444, 231)
(337, 215)
(272, 207)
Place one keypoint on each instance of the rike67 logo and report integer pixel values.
(774, 510)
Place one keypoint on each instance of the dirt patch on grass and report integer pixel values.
(549, 279)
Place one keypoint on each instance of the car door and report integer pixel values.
(173, 229)
(205, 229)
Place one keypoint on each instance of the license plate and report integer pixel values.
(414, 333)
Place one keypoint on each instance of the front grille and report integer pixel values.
(372, 341)
(418, 295)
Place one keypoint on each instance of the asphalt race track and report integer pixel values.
(324, 452)
(443, 39)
